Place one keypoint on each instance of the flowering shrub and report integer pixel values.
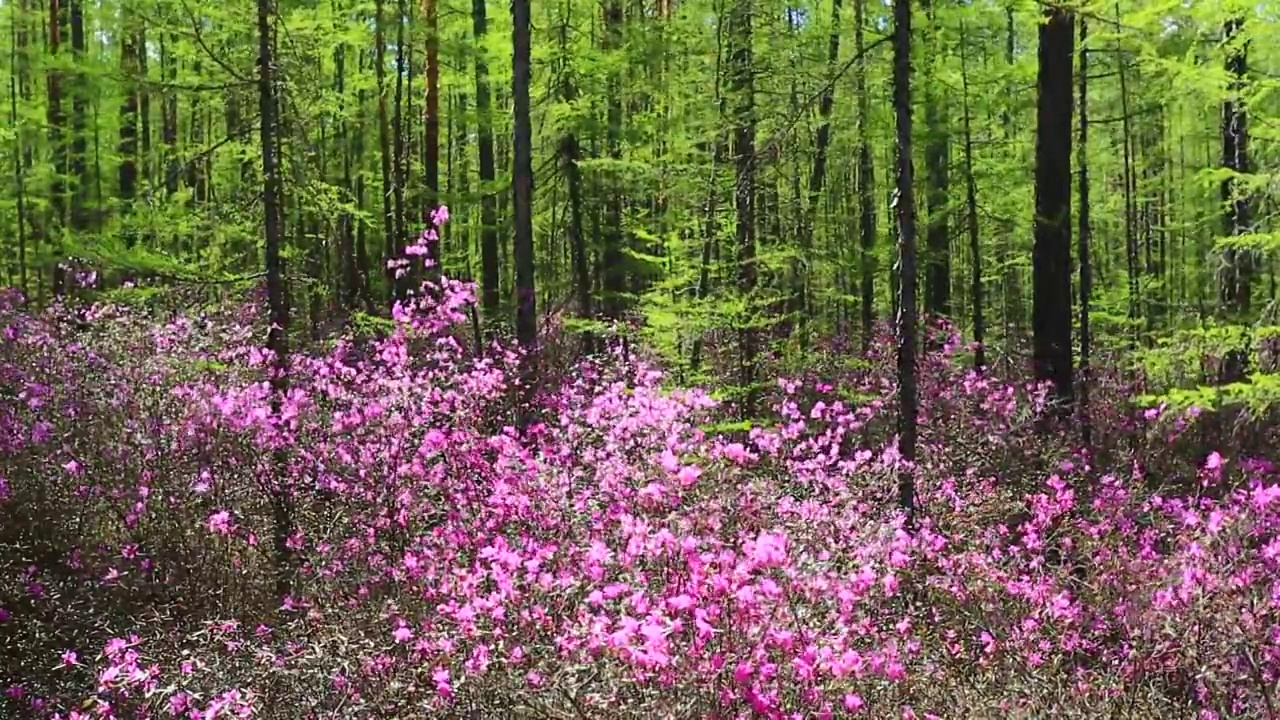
(623, 559)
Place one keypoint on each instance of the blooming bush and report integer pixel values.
(180, 541)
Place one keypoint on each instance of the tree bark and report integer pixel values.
(277, 338)
(904, 204)
(1051, 256)
(489, 270)
(522, 204)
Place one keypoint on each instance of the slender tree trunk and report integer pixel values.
(431, 120)
(489, 269)
(904, 204)
(390, 243)
(1011, 276)
(57, 143)
(569, 156)
(169, 116)
(277, 338)
(818, 176)
(971, 201)
(128, 140)
(16, 88)
(615, 277)
(742, 99)
(79, 168)
(866, 184)
(399, 168)
(362, 228)
(1051, 257)
(1237, 272)
(937, 151)
(144, 108)
(350, 293)
(1086, 269)
(1133, 267)
(522, 203)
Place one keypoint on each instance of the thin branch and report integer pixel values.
(199, 37)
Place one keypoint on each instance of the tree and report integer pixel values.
(1051, 256)
(742, 93)
(904, 204)
(277, 301)
(522, 195)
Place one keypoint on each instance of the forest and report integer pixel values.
(715, 359)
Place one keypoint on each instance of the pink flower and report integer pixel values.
(220, 522)
(1214, 461)
(688, 475)
(853, 702)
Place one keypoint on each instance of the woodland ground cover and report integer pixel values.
(375, 540)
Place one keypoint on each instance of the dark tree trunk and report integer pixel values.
(1051, 256)
(522, 204)
(169, 117)
(277, 338)
(431, 121)
(390, 243)
(817, 178)
(615, 277)
(489, 270)
(905, 205)
(742, 100)
(57, 143)
(18, 87)
(144, 109)
(1132, 266)
(866, 186)
(937, 151)
(79, 168)
(977, 297)
(1237, 271)
(128, 143)
(399, 166)
(362, 228)
(349, 271)
(569, 156)
(1086, 269)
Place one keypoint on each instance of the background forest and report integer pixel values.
(703, 359)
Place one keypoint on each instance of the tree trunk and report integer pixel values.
(57, 143)
(1051, 256)
(17, 87)
(399, 167)
(904, 204)
(937, 150)
(1086, 269)
(127, 147)
(277, 338)
(522, 204)
(489, 270)
(431, 121)
(169, 117)
(615, 277)
(569, 156)
(866, 184)
(971, 201)
(818, 176)
(741, 86)
(1237, 272)
(390, 243)
(79, 168)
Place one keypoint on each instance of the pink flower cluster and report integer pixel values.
(624, 557)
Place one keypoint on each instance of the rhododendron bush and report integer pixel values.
(179, 540)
